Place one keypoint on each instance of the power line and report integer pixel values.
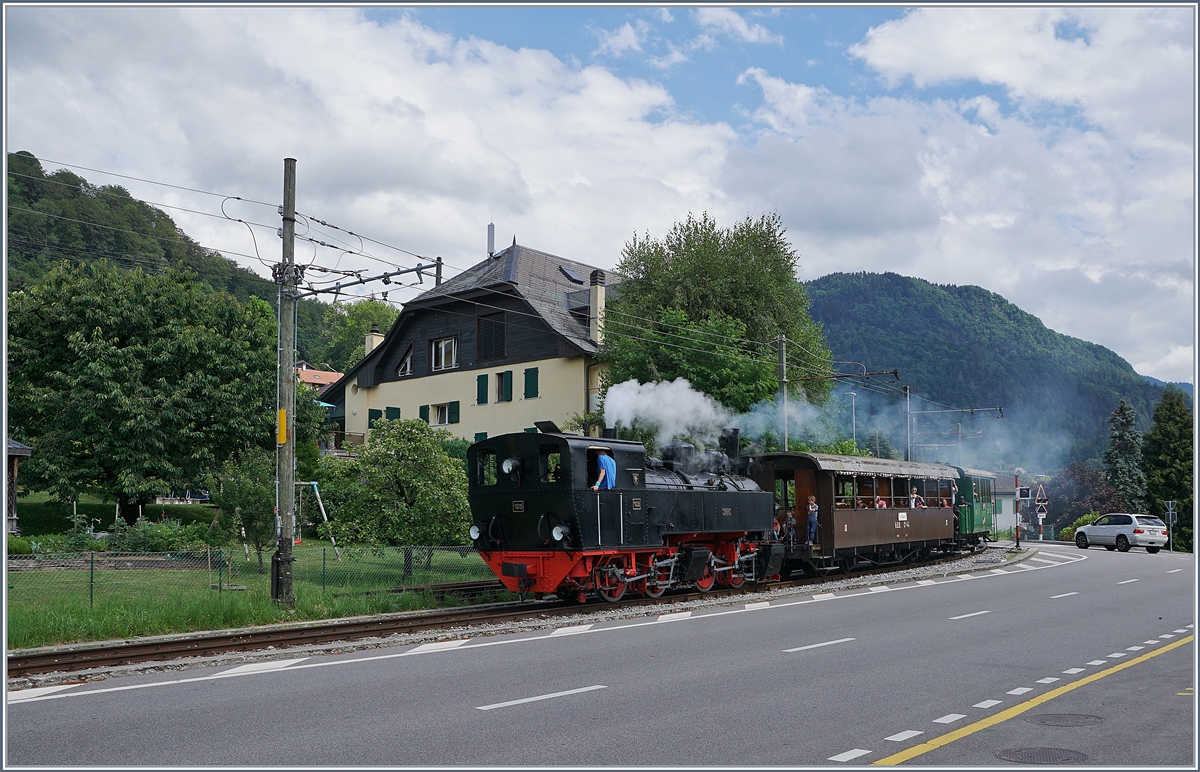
(153, 182)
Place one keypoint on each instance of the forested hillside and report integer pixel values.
(968, 347)
(61, 216)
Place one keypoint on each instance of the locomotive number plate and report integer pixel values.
(518, 506)
(726, 511)
(637, 503)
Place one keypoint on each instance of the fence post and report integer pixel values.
(220, 572)
(322, 570)
(92, 583)
(407, 562)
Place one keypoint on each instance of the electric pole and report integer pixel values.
(907, 424)
(783, 391)
(285, 449)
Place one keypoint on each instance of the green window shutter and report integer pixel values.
(373, 416)
(392, 413)
(531, 429)
(531, 383)
(480, 436)
(481, 389)
(452, 413)
(506, 386)
(423, 411)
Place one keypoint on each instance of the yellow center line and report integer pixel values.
(1016, 710)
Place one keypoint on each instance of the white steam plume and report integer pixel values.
(672, 408)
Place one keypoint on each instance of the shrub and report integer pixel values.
(18, 546)
(1068, 533)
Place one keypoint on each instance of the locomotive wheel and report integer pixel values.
(736, 580)
(655, 590)
(611, 594)
(706, 582)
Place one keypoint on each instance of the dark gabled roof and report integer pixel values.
(530, 274)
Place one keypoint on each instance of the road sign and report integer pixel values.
(1023, 494)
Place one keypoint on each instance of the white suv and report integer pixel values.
(1121, 531)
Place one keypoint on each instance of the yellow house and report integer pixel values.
(504, 344)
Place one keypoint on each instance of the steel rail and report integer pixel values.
(302, 634)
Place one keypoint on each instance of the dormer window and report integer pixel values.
(405, 366)
(444, 354)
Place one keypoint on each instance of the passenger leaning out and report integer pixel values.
(811, 523)
(916, 501)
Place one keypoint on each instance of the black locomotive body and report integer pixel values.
(690, 518)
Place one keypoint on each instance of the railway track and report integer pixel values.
(282, 636)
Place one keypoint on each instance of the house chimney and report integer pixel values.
(374, 338)
(596, 307)
(491, 239)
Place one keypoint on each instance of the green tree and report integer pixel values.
(402, 489)
(1167, 456)
(1077, 491)
(130, 385)
(710, 274)
(346, 327)
(1123, 459)
(711, 354)
(244, 492)
(312, 427)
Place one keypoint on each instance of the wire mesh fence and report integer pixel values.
(90, 579)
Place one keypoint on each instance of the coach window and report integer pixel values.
(487, 467)
(884, 490)
(945, 495)
(843, 492)
(865, 492)
(900, 487)
(550, 464)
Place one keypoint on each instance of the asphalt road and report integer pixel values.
(944, 673)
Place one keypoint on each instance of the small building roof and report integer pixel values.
(18, 448)
(864, 465)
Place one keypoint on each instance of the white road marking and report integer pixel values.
(1098, 662)
(439, 646)
(881, 588)
(1048, 680)
(1127, 581)
(986, 703)
(674, 615)
(818, 645)
(826, 596)
(1174, 570)
(262, 667)
(949, 718)
(848, 755)
(759, 604)
(540, 697)
(1179, 631)
(999, 571)
(974, 614)
(1020, 690)
(967, 576)
(1043, 560)
(907, 734)
(1072, 670)
(928, 581)
(37, 691)
(1064, 595)
(572, 630)
(1152, 643)
(1166, 635)
(1117, 655)
(1134, 648)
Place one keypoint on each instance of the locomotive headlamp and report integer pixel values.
(511, 465)
(559, 532)
(474, 533)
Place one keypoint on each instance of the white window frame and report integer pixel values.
(438, 363)
(405, 367)
(439, 415)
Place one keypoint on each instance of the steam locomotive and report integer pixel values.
(695, 518)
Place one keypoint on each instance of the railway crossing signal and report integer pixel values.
(1040, 505)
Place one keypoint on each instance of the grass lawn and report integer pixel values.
(38, 516)
(77, 602)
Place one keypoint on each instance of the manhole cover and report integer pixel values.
(1042, 756)
(1064, 719)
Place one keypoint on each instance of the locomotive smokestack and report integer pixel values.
(729, 444)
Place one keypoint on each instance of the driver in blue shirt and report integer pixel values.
(607, 478)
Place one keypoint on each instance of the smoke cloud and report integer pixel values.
(671, 408)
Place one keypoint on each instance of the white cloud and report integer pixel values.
(624, 38)
(728, 22)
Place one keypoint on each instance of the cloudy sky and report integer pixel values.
(1045, 154)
